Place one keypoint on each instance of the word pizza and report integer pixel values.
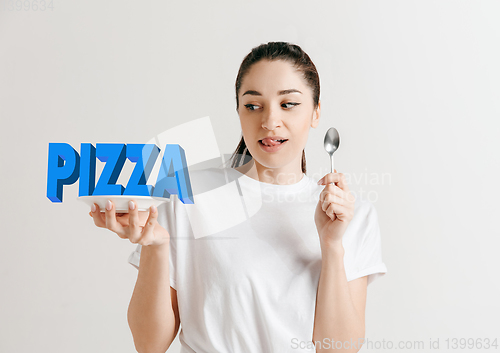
(66, 166)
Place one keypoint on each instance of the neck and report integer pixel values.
(285, 175)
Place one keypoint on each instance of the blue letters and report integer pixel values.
(138, 153)
(87, 169)
(173, 177)
(65, 166)
(114, 156)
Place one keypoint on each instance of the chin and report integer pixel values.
(273, 162)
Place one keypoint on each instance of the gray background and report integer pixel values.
(412, 86)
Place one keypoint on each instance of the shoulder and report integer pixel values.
(207, 186)
(200, 181)
(365, 213)
(203, 180)
(364, 209)
(364, 222)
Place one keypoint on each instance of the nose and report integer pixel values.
(271, 119)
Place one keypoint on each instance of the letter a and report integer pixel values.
(173, 177)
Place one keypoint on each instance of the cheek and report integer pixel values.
(302, 132)
(248, 125)
(248, 130)
(244, 124)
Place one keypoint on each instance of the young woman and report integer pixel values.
(266, 259)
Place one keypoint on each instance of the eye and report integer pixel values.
(251, 106)
(287, 105)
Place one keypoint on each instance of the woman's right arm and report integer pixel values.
(153, 314)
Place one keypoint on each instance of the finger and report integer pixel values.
(336, 178)
(350, 197)
(325, 200)
(331, 198)
(123, 220)
(97, 216)
(342, 183)
(133, 222)
(328, 178)
(332, 189)
(330, 212)
(341, 212)
(111, 222)
(148, 235)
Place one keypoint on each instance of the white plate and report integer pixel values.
(121, 201)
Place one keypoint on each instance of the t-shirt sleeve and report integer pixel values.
(166, 218)
(368, 257)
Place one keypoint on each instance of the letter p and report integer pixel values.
(63, 169)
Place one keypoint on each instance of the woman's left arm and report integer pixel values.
(339, 323)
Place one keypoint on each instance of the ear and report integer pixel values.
(316, 116)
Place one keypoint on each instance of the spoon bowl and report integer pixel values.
(332, 143)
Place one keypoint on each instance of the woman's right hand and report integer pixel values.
(140, 227)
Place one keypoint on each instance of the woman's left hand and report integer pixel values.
(335, 209)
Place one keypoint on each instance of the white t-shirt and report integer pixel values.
(245, 260)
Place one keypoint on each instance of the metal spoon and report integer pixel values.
(332, 142)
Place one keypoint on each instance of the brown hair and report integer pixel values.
(276, 51)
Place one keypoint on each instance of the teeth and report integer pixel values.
(275, 140)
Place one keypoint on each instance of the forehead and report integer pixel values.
(272, 76)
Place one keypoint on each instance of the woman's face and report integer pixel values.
(275, 101)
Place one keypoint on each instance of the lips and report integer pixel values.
(272, 141)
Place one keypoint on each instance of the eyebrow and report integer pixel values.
(280, 93)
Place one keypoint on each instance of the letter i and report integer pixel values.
(87, 169)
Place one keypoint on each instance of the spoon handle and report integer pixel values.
(331, 164)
